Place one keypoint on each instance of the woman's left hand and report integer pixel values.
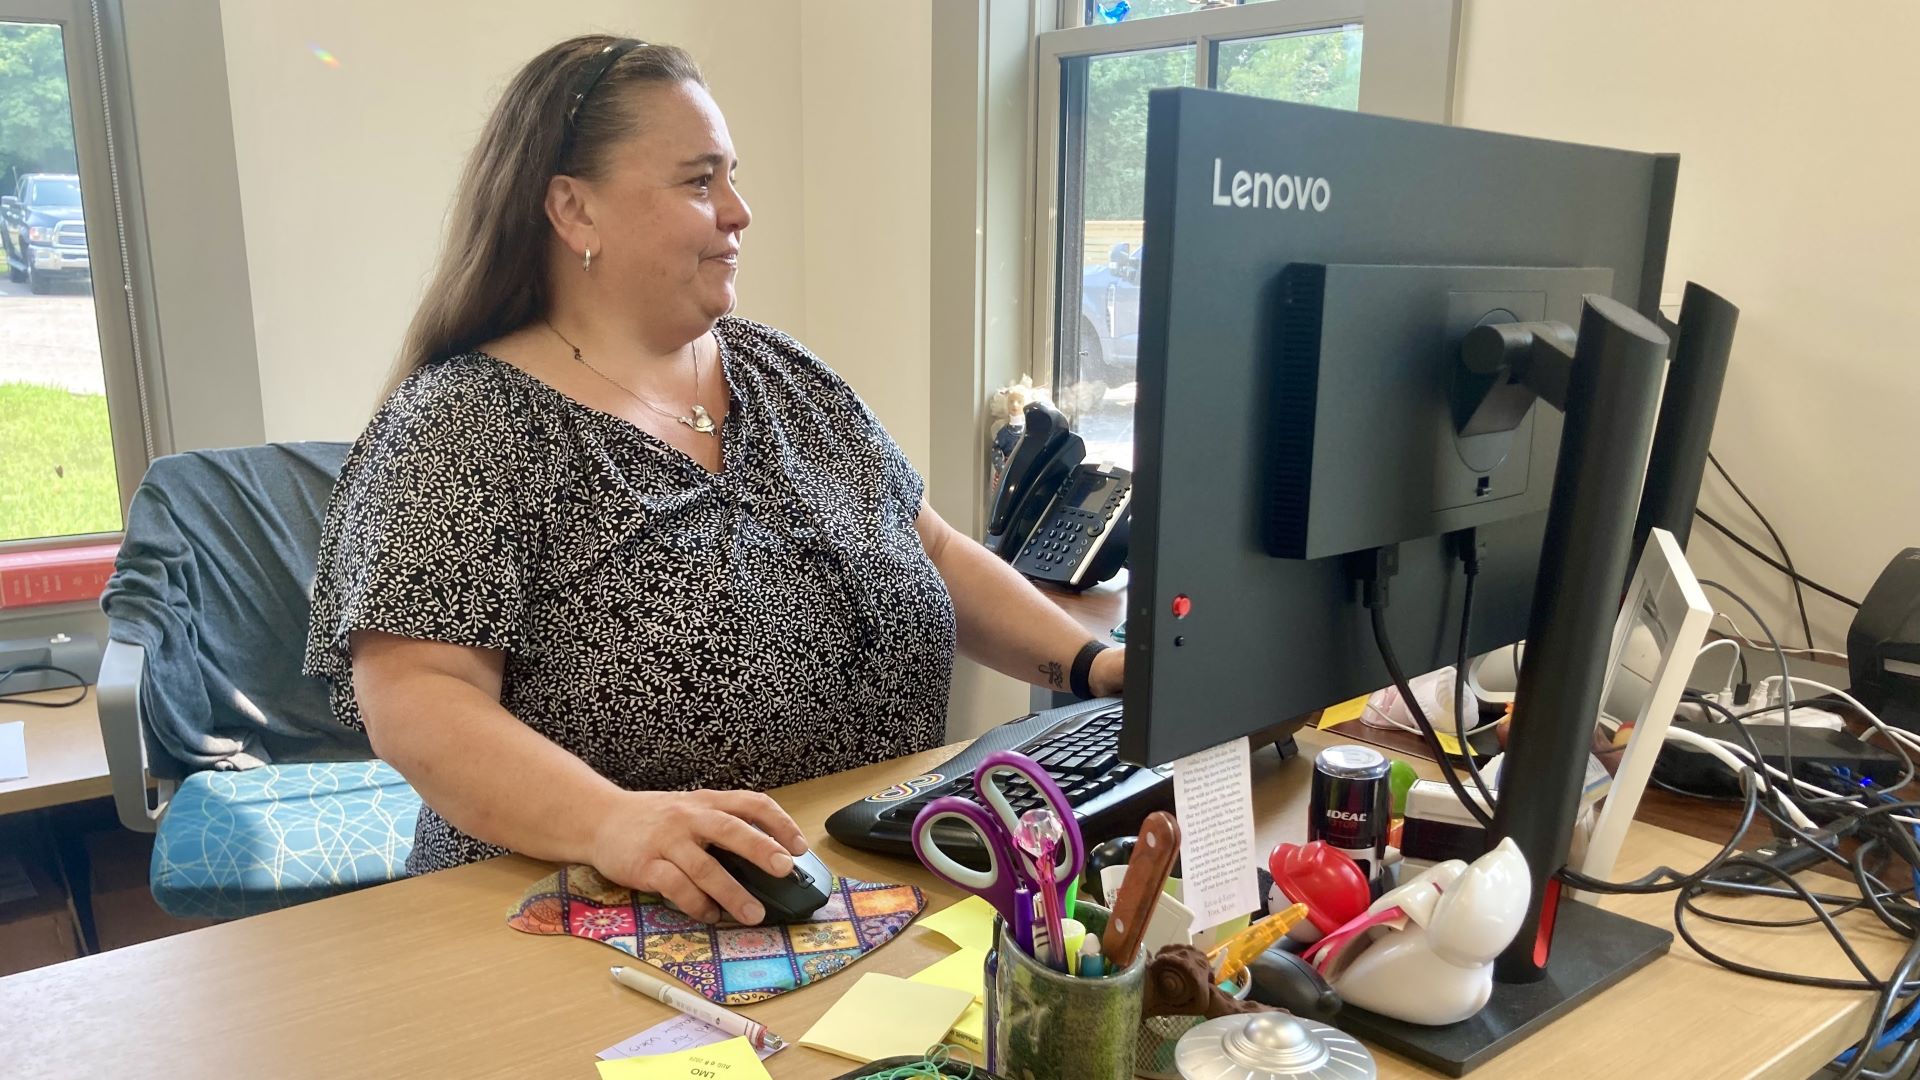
(1108, 676)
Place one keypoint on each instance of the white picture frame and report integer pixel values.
(1662, 624)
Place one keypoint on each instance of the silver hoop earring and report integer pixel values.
(586, 261)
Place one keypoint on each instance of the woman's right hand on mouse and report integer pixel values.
(656, 841)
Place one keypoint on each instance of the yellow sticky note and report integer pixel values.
(963, 970)
(1448, 743)
(970, 1031)
(1343, 712)
(730, 1060)
(968, 924)
(882, 1016)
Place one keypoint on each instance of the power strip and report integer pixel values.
(1693, 770)
(1803, 717)
(1766, 694)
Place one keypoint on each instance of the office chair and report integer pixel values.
(262, 800)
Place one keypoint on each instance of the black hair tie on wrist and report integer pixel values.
(1083, 667)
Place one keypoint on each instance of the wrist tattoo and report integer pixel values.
(1056, 675)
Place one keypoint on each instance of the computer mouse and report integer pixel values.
(787, 899)
(1285, 981)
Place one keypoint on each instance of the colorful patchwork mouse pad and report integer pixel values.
(726, 962)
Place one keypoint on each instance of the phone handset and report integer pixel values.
(1046, 452)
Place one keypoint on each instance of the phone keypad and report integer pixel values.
(1072, 527)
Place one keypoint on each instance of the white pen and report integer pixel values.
(698, 1007)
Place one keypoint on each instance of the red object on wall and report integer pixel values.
(74, 575)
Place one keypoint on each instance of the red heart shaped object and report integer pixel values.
(1325, 879)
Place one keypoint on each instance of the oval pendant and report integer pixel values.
(701, 422)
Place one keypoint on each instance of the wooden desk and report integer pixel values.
(66, 761)
(1098, 610)
(423, 978)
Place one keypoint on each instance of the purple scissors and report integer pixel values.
(994, 819)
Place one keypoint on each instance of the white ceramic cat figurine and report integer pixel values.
(1438, 968)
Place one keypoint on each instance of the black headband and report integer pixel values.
(603, 63)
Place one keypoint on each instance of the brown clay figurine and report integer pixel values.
(1180, 983)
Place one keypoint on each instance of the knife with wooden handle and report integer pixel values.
(1147, 871)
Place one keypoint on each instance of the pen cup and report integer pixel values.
(1062, 1027)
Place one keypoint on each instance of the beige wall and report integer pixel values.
(346, 173)
(865, 148)
(1796, 203)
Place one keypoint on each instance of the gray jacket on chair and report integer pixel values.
(212, 582)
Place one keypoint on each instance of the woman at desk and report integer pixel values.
(608, 561)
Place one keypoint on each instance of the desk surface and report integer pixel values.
(423, 978)
(66, 761)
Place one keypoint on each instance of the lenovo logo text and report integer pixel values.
(1268, 191)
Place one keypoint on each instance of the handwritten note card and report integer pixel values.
(1213, 798)
(668, 1036)
(729, 1060)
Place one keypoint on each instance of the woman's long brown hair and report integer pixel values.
(492, 275)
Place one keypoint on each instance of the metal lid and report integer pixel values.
(1353, 762)
(1271, 1046)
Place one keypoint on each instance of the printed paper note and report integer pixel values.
(1213, 798)
(13, 750)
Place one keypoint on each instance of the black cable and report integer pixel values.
(1685, 794)
(1908, 765)
(1786, 677)
(1420, 720)
(1882, 1012)
(1376, 567)
(1880, 836)
(1472, 560)
(1731, 717)
(1771, 561)
(1876, 898)
(79, 683)
(1799, 596)
(1895, 984)
(1902, 1066)
(1869, 981)
(1667, 879)
(1868, 883)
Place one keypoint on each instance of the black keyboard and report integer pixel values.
(1078, 745)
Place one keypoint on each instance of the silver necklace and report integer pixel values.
(700, 420)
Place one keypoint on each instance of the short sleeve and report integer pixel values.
(902, 483)
(434, 526)
(902, 486)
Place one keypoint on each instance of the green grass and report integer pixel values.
(56, 463)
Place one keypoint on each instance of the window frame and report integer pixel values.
(114, 316)
(1411, 49)
(171, 273)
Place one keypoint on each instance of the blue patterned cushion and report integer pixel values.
(239, 843)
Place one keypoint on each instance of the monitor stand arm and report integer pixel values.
(1509, 365)
(1607, 381)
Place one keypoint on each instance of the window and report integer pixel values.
(68, 457)
(1093, 84)
(1104, 12)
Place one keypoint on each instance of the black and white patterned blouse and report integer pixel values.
(671, 627)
